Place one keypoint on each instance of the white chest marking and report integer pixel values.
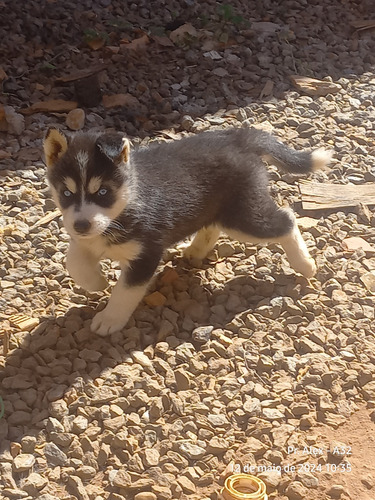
(124, 252)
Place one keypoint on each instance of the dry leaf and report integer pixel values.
(52, 106)
(96, 43)
(136, 44)
(267, 89)
(363, 25)
(115, 100)
(113, 49)
(181, 32)
(47, 218)
(314, 87)
(83, 73)
(164, 41)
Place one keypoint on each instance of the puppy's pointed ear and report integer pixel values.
(55, 145)
(116, 147)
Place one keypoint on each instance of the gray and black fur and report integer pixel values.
(214, 178)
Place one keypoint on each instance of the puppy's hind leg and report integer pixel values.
(203, 242)
(276, 225)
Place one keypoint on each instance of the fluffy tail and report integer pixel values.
(290, 160)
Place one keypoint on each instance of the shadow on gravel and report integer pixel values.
(244, 53)
(62, 360)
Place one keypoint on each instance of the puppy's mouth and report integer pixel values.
(84, 236)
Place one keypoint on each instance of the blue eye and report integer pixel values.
(67, 193)
(102, 192)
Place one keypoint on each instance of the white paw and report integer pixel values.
(92, 284)
(307, 268)
(105, 323)
(195, 252)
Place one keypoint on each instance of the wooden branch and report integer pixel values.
(316, 196)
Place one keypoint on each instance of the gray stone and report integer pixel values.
(19, 418)
(218, 420)
(336, 490)
(53, 425)
(90, 355)
(217, 445)
(145, 495)
(252, 407)
(151, 457)
(76, 486)
(54, 455)
(188, 487)
(307, 479)
(182, 379)
(296, 491)
(202, 334)
(28, 444)
(273, 414)
(368, 390)
(34, 483)
(79, 424)
(272, 478)
(190, 450)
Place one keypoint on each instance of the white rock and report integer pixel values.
(141, 358)
(151, 457)
(23, 461)
(80, 424)
(190, 450)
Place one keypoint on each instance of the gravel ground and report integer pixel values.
(226, 364)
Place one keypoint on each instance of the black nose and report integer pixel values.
(82, 225)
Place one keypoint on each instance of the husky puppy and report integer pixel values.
(131, 204)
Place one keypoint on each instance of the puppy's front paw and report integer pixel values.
(92, 284)
(195, 252)
(307, 268)
(105, 323)
(100, 283)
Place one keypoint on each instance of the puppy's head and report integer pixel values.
(90, 177)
